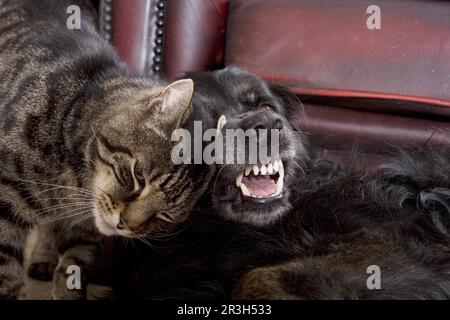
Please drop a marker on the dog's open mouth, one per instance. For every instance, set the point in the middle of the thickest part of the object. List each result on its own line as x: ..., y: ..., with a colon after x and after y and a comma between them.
x: 262, y: 181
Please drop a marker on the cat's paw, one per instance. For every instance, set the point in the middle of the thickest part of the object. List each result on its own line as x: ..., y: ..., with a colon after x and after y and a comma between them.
x: 64, y: 294
x: 62, y: 291
x: 67, y: 287
x: 42, y: 271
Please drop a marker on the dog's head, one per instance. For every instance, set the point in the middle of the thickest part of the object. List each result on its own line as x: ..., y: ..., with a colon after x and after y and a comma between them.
x: 254, y: 193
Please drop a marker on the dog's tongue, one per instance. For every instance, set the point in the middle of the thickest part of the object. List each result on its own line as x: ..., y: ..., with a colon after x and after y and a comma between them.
x: 259, y: 186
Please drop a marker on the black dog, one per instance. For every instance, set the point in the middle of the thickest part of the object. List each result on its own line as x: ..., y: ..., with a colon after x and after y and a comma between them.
x: 317, y: 237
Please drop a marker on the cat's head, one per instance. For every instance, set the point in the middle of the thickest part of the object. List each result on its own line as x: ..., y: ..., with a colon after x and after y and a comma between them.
x: 257, y: 194
x: 138, y: 190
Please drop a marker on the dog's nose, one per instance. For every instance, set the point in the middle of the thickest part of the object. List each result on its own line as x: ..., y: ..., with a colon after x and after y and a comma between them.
x: 263, y: 120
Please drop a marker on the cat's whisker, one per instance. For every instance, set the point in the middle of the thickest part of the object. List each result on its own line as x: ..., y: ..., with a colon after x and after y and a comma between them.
x: 76, y: 189
x: 165, y: 237
x: 78, y: 221
x: 103, y: 191
x: 57, y: 186
x: 57, y: 219
x: 74, y: 206
x: 67, y: 214
x: 77, y: 192
x: 69, y: 199
x: 73, y: 195
x: 89, y: 214
x: 145, y: 242
x: 41, y: 192
x: 65, y: 217
x: 63, y: 206
x: 35, y: 195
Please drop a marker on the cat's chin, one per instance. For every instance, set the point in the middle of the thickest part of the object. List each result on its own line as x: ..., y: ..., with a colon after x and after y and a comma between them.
x: 104, y: 227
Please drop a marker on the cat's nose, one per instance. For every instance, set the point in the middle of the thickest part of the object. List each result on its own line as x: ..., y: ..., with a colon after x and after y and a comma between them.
x: 130, y: 221
x: 122, y: 225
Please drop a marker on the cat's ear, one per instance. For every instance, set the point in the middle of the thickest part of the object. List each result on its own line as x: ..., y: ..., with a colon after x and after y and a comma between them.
x: 176, y: 101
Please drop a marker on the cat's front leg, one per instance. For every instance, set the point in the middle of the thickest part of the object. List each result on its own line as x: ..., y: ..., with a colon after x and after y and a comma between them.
x: 72, y: 272
x: 44, y: 257
x: 12, y: 243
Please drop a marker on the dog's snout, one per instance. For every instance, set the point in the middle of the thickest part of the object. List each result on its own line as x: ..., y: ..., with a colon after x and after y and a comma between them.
x: 277, y: 124
x: 264, y: 120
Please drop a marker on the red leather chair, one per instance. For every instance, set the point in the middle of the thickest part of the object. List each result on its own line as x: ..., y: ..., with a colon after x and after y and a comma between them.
x: 359, y: 86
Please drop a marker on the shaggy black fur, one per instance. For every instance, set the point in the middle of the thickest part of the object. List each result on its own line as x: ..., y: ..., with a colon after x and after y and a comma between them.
x: 336, y: 223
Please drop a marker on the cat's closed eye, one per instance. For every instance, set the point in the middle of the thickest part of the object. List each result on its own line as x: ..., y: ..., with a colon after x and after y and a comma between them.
x: 139, y: 174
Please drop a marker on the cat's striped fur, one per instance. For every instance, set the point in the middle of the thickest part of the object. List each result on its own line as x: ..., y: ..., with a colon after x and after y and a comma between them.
x: 84, y: 143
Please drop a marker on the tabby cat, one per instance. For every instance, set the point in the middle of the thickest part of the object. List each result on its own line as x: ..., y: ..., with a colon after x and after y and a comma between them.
x: 84, y: 143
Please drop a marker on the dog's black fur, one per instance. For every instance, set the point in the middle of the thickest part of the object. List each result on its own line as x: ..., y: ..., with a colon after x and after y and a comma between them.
x: 331, y: 224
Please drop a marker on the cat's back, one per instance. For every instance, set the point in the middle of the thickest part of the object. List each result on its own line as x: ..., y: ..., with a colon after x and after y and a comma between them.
x: 35, y: 33
x: 44, y: 65
x: 37, y: 45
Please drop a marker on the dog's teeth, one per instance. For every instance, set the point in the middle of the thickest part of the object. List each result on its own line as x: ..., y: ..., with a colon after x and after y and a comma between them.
x: 220, y: 124
x: 275, y: 165
x: 248, y: 170
x: 245, y: 191
x: 280, y: 183
x: 263, y: 170
x: 270, y: 169
x: 239, y: 180
x: 255, y: 170
x: 281, y: 169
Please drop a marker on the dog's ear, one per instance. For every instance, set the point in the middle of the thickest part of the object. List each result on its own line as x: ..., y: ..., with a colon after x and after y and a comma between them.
x: 291, y: 103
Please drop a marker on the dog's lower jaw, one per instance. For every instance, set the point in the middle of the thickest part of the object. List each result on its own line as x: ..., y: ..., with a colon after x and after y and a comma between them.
x: 260, y: 215
x: 260, y: 219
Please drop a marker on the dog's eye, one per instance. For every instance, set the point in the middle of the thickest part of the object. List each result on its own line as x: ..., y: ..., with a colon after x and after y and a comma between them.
x: 268, y: 107
x: 139, y: 174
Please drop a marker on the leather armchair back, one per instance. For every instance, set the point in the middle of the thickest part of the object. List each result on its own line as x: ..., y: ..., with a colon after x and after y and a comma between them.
x: 360, y: 86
